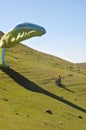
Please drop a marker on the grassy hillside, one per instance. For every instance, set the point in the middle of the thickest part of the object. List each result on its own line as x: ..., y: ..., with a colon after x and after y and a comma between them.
x: 82, y: 64
x: 29, y: 97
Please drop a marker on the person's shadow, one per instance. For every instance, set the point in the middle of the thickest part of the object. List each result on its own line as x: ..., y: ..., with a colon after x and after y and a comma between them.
x: 64, y: 87
x: 31, y: 86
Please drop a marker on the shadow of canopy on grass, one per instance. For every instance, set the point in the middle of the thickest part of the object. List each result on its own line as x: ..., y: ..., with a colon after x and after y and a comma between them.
x: 31, y: 86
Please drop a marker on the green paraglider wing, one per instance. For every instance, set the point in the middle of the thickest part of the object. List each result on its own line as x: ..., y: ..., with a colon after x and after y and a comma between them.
x: 19, y: 33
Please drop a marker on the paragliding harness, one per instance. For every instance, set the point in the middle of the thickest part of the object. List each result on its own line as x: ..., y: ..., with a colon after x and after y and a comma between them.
x: 2, y: 55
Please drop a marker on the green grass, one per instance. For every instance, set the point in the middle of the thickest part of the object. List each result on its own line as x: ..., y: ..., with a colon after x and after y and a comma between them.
x: 28, y: 89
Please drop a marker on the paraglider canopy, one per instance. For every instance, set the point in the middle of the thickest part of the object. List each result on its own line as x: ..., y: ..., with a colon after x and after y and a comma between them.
x: 19, y: 33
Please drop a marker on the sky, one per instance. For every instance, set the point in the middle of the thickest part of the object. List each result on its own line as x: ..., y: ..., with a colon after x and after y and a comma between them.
x: 64, y: 21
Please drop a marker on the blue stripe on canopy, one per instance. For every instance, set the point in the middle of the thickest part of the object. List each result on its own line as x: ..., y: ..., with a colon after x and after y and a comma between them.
x: 29, y: 26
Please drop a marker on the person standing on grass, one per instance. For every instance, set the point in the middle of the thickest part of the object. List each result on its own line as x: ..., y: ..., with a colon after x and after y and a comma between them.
x: 58, y: 81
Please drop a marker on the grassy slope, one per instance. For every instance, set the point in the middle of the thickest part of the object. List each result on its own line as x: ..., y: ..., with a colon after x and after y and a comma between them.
x: 28, y: 88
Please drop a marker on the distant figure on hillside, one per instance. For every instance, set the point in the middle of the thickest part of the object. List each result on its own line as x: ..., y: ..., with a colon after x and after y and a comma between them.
x: 58, y: 81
